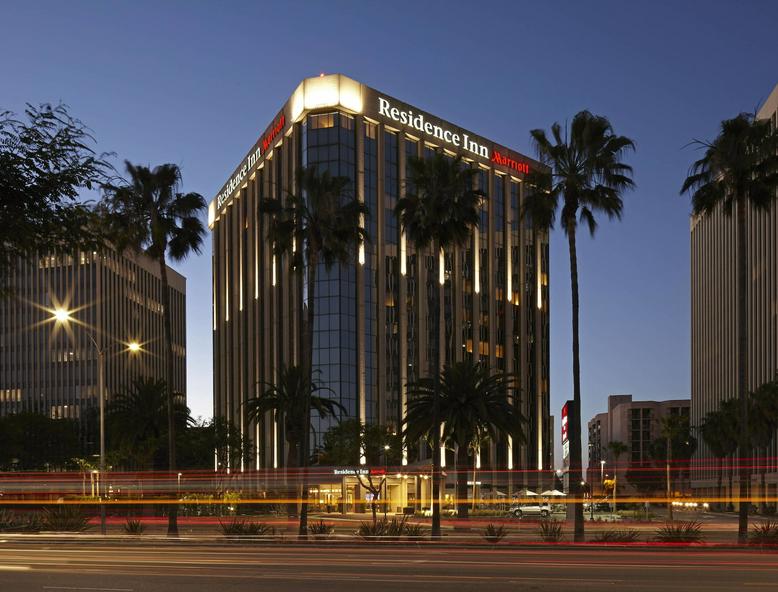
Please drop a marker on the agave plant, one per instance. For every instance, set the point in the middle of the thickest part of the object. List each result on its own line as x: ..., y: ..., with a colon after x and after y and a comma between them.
x: 551, y: 530
x: 764, y: 534
x: 65, y: 518
x: 681, y: 531
x: 494, y: 533
x: 629, y: 535
x: 133, y: 526
x: 239, y: 527
x: 320, y: 529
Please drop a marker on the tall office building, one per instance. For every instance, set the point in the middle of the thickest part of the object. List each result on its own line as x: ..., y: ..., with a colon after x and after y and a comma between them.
x: 374, y: 332
x: 103, y: 300
x: 714, y: 316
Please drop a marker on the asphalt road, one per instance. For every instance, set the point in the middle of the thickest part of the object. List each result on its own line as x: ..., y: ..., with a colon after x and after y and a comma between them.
x: 150, y: 567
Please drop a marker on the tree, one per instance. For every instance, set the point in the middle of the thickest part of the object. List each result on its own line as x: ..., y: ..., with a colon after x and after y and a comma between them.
x: 137, y: 418
x: 198, y: 442
x: 35, y: 442
x: 45, y: 162
x: 719, y: 432
x: 587, y: 177
x: 616, y: 449
x: 439, y: 211
x: 347, y: 441
x: 149, y: 214
x: 321, y: 224
x: 738, y: 170
x: 763, y: 421
x: 675, y: 446
x: 472, y: 405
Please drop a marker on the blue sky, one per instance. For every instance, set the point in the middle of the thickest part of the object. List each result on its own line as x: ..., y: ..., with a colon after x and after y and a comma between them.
x: 194, y: 83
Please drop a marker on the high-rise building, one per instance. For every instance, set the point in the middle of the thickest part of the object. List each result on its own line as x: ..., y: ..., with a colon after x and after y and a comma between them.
x: 636, y: 424
x: 714, y: 317
x: 374, y: 331
x: 63, y: 308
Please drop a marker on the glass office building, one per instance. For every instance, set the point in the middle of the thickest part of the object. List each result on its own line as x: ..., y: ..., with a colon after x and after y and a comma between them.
x: 374, y: 332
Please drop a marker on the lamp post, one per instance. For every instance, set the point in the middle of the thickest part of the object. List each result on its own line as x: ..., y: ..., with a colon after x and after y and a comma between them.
x: 386, y: 475
x: 602, y: 477
x: 63, y: 316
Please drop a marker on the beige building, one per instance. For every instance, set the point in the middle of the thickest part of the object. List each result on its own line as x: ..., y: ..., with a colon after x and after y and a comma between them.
x: 374, y: 329
x: 51, y: 367
x: 714, y: 316
x: 634, y: 423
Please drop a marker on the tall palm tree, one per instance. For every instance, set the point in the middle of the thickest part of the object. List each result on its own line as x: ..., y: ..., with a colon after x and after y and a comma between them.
x: 738, y: 170
x: 587, y: 177
x: 324, y: 224
x: 675, y: 443
x: 138, y: 417
x: 151, y: 215
x: 440, y: 210
x: 472, y: 404
x: 616, y: 449
x: 719, y: 432
x: 763, y: 421
x: 287, y: 399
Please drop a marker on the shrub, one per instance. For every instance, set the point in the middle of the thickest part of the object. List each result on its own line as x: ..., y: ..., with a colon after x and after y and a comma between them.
x: 370, y: 531
x: 551, y: 530
x: 617, y: 536
x: 320, y: 529
x: 65, y: 518
x: 494, y: 534
x: 765, y: 533
x: 238, y: 527
x: 682, y: 531
x: 133, y: 526
x: 415, y: 531
x: 395, y: 528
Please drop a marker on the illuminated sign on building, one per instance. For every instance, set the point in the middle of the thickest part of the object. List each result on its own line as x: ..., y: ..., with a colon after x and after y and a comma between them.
x: 418, y: 122
x: 565, y: 442
x: 267, y: 141
x: 517, y: 166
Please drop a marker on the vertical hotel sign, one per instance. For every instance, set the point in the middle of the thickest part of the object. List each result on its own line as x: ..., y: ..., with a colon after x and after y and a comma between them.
x: 565, y: 440
x: 252, y: 160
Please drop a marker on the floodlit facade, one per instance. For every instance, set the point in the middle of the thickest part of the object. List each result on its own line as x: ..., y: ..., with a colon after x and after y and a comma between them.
x: 51, y: 367
x: 714, y: 320
x: 374, y: 331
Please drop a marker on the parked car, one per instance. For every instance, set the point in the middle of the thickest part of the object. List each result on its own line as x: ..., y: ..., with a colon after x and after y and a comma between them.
x: 542, y: 510
x: 599, y: 506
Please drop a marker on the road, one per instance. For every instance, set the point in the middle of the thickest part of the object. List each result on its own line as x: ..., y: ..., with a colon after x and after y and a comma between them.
x: 156, y: 567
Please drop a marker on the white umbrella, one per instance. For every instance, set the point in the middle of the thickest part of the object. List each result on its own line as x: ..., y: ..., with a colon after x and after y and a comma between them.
x: 553, y: 493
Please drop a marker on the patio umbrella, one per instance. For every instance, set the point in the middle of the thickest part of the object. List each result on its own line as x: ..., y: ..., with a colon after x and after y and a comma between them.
x: 553, y: 493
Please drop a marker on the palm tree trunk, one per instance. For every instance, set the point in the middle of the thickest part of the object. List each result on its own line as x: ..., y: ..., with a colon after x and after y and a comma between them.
x: 307, y: 359
x: 172, y: 524
x: 719, y: 484
x: 462, y: 508
x: 576, y: 465
x: 742, y: 330
x: 669, y: 487
x: 730, y: 473
x: 436, y: 413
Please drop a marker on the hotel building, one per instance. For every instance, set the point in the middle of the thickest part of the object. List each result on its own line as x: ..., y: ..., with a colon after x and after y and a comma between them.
x: 714, y: 320
x: 374, y: 332
x: 50, y: 367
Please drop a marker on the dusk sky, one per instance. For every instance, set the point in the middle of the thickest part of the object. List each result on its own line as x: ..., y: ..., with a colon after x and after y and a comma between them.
x: 195, y: 83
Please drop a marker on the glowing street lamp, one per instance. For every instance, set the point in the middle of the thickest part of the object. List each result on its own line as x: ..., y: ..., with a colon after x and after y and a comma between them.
x: 63, y: 316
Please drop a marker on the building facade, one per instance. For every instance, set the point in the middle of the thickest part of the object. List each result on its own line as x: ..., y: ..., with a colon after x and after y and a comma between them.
x: 51, y: 367
x: 636, y: 424
x: 374, y: 332
x: 714, y: 317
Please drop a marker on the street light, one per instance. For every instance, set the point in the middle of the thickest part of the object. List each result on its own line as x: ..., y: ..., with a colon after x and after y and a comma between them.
x: 602, y: 471
x: 61, y: 317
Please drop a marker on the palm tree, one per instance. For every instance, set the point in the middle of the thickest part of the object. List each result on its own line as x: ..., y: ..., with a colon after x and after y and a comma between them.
x: 138, y: 418
x: 472, y: 404
x: 587, y: 177
x: 718, y: 431
x: 287, y: 399
x: 739, y: 170
x: 321, y: 224
x: 616, y: 449
x: 763, y: 421
x: 439, y: 210
x: 149, y: 214
x: 675, y: 442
